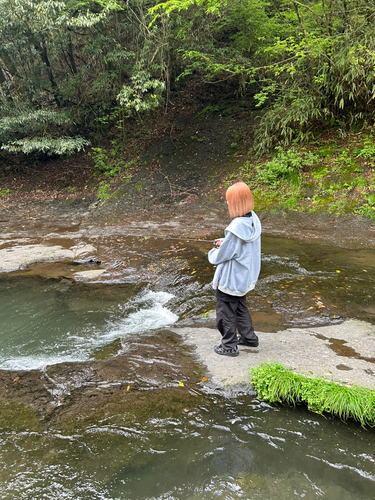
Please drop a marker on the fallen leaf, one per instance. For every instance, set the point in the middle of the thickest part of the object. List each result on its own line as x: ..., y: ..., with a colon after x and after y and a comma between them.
x: 16, y: 379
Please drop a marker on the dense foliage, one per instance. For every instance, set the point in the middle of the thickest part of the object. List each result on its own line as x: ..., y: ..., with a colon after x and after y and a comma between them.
x: 69, y: 69
x: 62, y: 66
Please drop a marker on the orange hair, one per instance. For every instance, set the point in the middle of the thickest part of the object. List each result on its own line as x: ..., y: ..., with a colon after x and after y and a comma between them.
x: 240, y: 200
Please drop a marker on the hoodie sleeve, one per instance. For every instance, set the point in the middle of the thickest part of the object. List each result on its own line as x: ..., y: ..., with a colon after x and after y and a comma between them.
x: 226, y: 251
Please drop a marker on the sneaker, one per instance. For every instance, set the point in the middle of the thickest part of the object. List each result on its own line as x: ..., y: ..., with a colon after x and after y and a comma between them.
x: 242, y: 341
x: 219, y: 349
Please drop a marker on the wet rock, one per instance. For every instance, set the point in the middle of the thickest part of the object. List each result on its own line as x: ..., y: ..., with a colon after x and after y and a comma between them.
x: 308, y: 351
x: 95, y: 273
x: 19, y: 256
x: 144, y: 365
x: 82, y: 249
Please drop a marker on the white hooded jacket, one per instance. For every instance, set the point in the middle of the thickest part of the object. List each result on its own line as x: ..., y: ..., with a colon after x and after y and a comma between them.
x: 238, y: 257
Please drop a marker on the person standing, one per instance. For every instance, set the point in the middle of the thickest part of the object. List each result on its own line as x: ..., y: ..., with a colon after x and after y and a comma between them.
x: 237, y: 257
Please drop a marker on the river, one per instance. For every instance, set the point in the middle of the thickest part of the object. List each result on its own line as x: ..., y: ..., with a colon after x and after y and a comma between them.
x: 182, y: 440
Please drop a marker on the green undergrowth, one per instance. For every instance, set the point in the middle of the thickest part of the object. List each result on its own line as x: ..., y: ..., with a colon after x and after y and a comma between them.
x: 111, y: 166
x: 332, y: 175
x: 277, y: 384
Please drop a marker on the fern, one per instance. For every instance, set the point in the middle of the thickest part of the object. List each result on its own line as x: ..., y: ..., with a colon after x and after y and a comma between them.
x: 143, y: 95
x: 31, y: 121
x: 47, y: 145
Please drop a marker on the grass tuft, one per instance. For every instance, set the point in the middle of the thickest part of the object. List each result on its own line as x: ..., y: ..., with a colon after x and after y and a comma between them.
x: 277, y: 384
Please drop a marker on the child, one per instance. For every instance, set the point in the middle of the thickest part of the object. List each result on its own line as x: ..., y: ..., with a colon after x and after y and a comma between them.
x: 238, y: 265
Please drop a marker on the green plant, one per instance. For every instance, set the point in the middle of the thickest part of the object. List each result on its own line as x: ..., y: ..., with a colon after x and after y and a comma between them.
x: 129, y: 164
x: 195, y: 138
x: 43, y: 132
x: 368, y: 208
x: 208, y: 109
x: 103, y: 191
x: 138, y: 186
x: 143, y: 95
x: 99, y: 160
x: 345, y: 162
x: 102, y: 165
x: 277, y: 384
x: 5, y: 192
x: 289, y: 202
x: 368, y: 149
x: 285, y: 165
x: 366, y: 211
x: 361, y: 182
x: 319, y: 172
x: 47, y: 144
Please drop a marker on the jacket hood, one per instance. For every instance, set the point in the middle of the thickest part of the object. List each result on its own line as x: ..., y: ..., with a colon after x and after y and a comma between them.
x: 246, y: 228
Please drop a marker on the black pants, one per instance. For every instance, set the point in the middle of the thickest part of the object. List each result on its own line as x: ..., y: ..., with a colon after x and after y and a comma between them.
x: 232, y: 315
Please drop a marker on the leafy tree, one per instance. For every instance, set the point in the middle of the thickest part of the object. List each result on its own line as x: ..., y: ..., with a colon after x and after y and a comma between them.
x: 322, y: 74
x: 312, y: 61
x: 69, y: 68
x: 62, y: 65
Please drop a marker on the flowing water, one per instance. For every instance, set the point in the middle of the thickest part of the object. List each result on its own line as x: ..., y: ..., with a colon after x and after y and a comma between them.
x: 213, y: 449
x: 187, y: 444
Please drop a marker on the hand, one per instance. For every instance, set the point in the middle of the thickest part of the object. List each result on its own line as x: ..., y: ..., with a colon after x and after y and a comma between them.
x: 218, y: 242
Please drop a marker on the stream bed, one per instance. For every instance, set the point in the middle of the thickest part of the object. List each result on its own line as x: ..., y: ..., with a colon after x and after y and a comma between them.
x: 180, y: 441
x: 199, y: 446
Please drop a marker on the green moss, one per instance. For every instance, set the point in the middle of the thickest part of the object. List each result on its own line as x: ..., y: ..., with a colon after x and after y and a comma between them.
x: 326, y: 152
x: 320, y: 171
x: 129, y: 407
x: 277, y: 384
x: 108, y: 351
x: 18, y: 417
x: 208, y: 109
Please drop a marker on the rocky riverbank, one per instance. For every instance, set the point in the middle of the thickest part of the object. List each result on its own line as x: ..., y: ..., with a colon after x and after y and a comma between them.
x: 83, y: 241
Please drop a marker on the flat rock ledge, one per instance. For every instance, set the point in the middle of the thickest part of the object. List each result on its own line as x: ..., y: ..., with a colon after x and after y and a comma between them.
x: 342, y: 353
x: 19, y: 256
